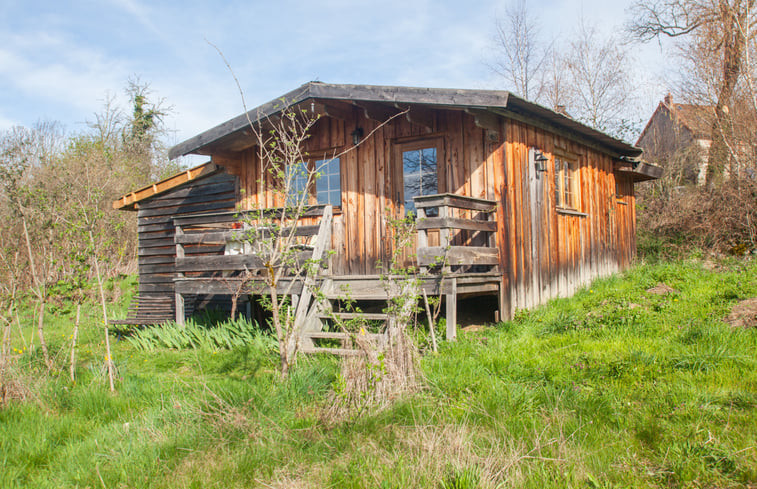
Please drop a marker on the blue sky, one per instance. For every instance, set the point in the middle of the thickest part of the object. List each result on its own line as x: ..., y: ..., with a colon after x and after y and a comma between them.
x: 59, y: 60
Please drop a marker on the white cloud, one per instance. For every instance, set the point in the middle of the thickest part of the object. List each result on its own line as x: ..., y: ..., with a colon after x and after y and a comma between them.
x: 44, y: 70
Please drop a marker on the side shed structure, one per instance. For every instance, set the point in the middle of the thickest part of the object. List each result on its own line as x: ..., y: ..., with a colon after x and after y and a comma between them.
x: 525, y: 203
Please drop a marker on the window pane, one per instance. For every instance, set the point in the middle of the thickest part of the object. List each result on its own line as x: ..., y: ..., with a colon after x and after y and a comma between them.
x: 428, y: 163
x: 334, y: 181
x: 429, y: 184
x: 420, y: 176
x: 411, y: 162
x: 297, y: 177
x: 328, y: 183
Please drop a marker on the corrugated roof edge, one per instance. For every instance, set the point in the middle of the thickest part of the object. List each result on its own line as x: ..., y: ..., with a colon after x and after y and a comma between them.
x: 482, y: 99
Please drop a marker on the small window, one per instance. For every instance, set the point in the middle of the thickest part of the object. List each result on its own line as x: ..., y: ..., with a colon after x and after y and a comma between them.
x: 566, y: 183
x: 328, y: 185
x: 419, y: 170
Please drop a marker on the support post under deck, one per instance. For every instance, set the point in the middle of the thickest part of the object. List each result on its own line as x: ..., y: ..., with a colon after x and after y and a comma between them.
x: 451, y: 306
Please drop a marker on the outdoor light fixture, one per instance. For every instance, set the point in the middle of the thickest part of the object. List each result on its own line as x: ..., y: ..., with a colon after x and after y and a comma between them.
x: 357, y: 135
x: 540, y: 161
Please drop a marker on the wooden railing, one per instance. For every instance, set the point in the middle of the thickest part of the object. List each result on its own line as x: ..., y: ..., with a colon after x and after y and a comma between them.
x: 467, y: 228
x: 214, y: 232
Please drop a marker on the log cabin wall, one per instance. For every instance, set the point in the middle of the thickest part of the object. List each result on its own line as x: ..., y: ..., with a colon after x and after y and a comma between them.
x: 157, y: 251
x: 371, y: 175
x: 552, y: 252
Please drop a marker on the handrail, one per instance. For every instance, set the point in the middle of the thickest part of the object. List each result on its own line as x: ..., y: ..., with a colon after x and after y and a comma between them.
x: 448, y: 225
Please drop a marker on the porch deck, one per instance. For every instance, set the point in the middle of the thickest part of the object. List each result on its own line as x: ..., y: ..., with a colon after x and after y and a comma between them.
x: 456, y: 255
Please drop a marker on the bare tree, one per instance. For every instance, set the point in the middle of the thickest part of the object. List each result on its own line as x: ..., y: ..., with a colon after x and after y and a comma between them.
x: 520, y: 52
x: 600, y: 90
x: 720, y: 27
x: 583, y: 74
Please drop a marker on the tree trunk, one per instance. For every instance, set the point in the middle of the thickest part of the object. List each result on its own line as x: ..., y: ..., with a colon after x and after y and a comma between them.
x: 108, y: 356
x: 722, y: 128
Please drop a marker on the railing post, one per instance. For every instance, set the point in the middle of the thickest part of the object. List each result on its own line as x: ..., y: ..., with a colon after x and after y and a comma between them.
x: 422, y: 234
x: 444, y: 235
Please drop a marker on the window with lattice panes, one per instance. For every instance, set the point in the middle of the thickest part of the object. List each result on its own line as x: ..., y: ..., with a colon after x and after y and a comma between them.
x: 567, y: 191
x: 325, y: 183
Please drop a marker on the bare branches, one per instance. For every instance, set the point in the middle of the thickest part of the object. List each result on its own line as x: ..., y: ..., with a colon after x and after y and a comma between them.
x: 520, y: 53
x: 667, y: 18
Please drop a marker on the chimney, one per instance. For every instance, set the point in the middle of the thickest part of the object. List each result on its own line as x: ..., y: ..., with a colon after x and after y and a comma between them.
x: 669, y: 100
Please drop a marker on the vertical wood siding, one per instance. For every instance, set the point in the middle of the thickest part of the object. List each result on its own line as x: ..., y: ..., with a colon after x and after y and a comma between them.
x: 552, y: 254
x: 543, y: 253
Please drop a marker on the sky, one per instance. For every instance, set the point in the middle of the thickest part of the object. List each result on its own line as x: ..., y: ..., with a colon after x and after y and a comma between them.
x: 61, y: 60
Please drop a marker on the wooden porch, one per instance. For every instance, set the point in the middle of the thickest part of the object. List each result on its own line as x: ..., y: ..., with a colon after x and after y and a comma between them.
x: 456, y: 255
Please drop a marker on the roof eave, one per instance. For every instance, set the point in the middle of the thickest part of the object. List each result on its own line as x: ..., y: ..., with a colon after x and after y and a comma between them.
x: 640, y: 171
x: 129, y: 202
x: 454, y: 98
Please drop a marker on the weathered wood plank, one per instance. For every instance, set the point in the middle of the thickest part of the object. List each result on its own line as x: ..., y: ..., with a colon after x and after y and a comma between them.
x: 190, y: 195
x: 458, y: 255
x: 458, y: 201
x: 456, y: 223
x: 210, y: 286
x: 210, y: 205
x: 214, y: 263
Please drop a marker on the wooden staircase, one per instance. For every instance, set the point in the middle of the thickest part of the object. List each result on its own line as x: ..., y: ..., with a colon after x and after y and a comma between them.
x: 327, y: 330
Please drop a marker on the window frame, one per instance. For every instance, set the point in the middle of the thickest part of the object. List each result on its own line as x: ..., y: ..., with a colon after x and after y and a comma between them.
x: 567, y: 196
x: 311, y: 162
x: 418, y: 144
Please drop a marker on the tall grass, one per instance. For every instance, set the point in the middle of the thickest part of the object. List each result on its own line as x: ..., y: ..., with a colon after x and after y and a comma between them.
x: 615, y: 387
x: 229, y: 334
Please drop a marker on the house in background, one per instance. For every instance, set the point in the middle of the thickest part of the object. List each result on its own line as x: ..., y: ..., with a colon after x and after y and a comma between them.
x: 524, y: 204
x: 679, y: 136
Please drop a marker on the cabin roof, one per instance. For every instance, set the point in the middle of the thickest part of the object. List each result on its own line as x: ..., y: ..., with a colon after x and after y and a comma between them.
x: 495, y: 101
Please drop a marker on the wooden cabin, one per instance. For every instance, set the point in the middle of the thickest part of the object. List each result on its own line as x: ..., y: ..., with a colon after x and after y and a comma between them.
x: 524, y: 203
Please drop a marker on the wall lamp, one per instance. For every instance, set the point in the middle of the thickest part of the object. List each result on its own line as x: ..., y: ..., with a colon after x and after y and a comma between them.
x: 357, y: 135
x: 540, y: 161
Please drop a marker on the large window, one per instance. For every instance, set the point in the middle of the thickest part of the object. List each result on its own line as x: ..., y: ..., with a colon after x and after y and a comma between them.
x: 566, y: 183
x: 326, y: 181
x: 419, y: 173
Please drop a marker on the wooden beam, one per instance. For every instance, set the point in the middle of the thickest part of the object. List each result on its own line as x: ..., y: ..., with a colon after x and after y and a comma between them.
x: 457, y: 201
x: 333, y: 110
x: 455, y: 223
x: 485, y: 119
x: 640, y: 171
x: 458, y: 255
x: 377, y: 111
x: 420, y: 116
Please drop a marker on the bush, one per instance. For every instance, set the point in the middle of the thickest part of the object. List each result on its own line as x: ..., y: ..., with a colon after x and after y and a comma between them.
x: 723, y: 219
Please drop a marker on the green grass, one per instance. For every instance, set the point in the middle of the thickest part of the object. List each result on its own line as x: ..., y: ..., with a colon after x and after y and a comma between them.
x: 614, y: 387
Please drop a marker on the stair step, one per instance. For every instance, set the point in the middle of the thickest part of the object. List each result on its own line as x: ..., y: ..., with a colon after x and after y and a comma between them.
x: 334, y: 351
x: 368, y: 316
x: 340, y: 336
